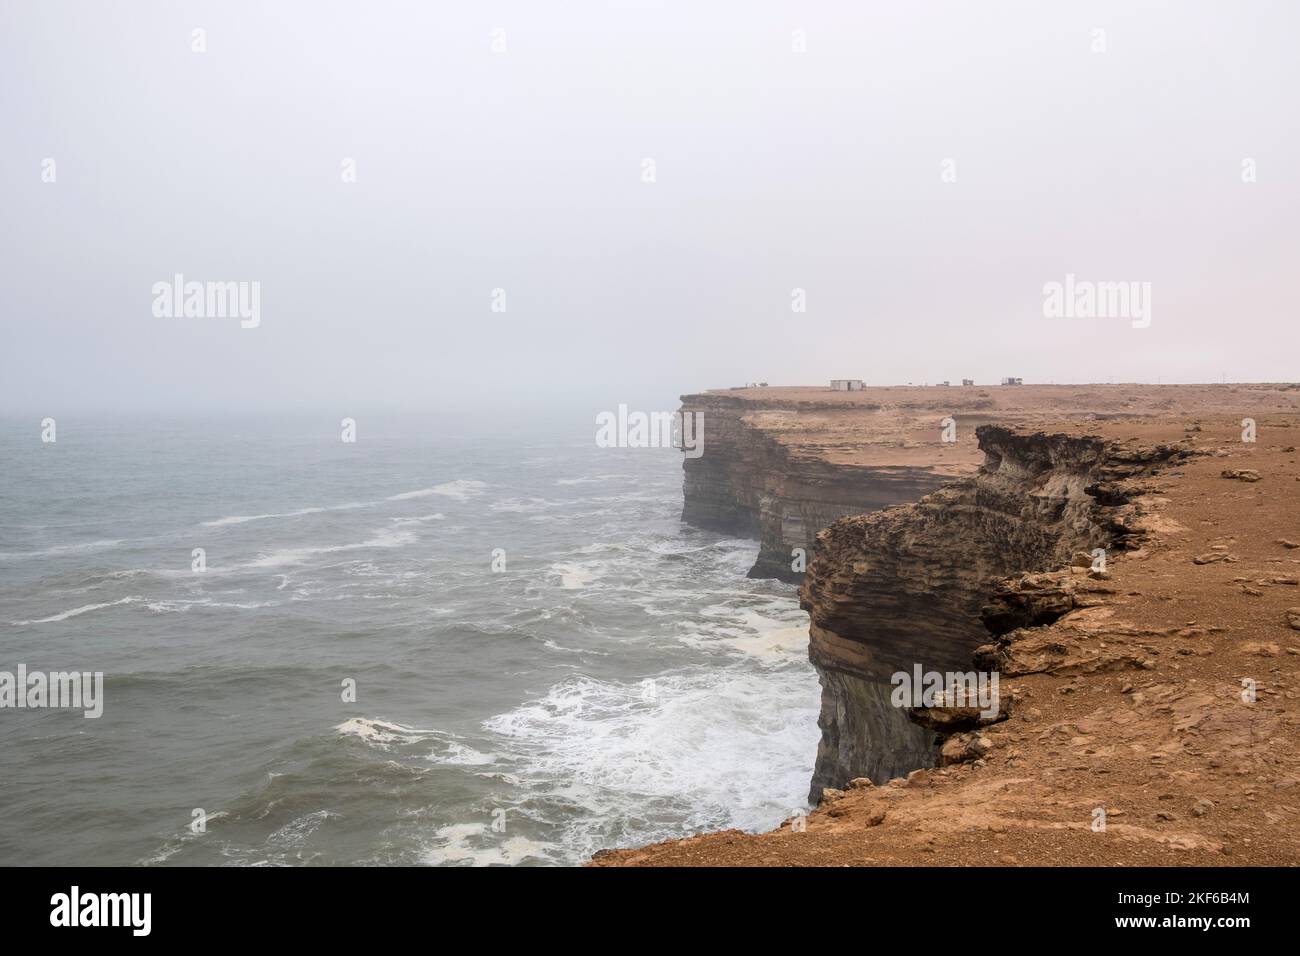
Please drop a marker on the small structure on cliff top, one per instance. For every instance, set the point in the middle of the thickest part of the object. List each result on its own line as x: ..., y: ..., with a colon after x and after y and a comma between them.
x: 1013, y: 381
x: 968, y: 381
x: 847, y: 384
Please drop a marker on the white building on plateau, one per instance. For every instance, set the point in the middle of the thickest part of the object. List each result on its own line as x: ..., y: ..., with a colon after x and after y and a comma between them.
x: 847, y: 384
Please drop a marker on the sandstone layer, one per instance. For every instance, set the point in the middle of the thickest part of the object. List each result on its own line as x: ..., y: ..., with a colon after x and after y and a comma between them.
x: 782, y: 470
x: 780, y: 464
x: 904, y: 588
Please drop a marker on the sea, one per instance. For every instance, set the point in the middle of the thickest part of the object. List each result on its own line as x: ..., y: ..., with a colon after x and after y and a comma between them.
x: 440, y: 643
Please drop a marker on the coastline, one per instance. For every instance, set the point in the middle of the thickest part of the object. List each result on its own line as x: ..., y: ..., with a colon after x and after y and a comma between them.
x: 1102, y: 671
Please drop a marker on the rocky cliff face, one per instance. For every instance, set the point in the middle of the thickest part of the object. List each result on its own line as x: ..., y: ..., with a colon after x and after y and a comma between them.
x: 750, y: 482
x: 1124, y: 686
x: 908, y: 585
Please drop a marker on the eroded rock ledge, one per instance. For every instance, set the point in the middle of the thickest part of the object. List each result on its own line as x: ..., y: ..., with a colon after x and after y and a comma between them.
x: 909, y: 585
x: 781, y: 470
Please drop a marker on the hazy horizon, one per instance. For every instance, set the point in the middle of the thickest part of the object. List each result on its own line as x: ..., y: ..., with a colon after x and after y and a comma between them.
x: 920, y: 173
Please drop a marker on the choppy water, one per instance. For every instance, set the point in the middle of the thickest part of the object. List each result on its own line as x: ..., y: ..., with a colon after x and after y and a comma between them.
x: 621, y: 681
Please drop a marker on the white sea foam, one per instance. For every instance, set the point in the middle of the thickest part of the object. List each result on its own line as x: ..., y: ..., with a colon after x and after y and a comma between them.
x: 460, y: 755
x: 461, y: 489
x: 82, y: 548
x: 523, y: 505
x: 242, y: 519
x: 382, y: 732
x: 695, y: 741
x: 76, y: 612
x: 474, y: 844
x: 589, y: 479
x: 384, y: 538
x: 181, y: 606
x: 416, y: 520
x: 387, y: 735
x: 780, y: 644
x: 294, y: 833
x: 574, y: 575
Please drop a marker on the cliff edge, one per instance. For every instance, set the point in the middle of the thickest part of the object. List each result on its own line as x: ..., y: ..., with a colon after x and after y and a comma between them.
x: 1144, y: 712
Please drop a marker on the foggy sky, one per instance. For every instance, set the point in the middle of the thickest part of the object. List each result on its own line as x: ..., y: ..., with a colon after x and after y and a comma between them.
x: 522, y: 170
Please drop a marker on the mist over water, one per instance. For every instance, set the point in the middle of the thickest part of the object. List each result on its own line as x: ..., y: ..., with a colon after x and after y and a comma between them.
x: 621, y: 681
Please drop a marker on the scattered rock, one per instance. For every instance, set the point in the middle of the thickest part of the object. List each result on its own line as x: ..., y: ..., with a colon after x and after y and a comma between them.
x: 830, y: 794
x: 876, y: 815
x: 1261, y: 648
x: 1213, y: 557
x: 963, y: 748
x: 1202, y: 807
x: 861, y: 783
x: 1241, y: 474
x: 1287, y: 543
x: 1293, y: 617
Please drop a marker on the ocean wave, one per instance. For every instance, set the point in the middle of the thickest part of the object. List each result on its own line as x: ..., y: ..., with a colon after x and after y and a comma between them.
x: 461, y: 488
x: 573, y: 575
x: 590, y: 479
x: 77, y: 612
x: 82, y: 548
x: 416, y: 520
x: 181, y: 606
x: 386, y: 735
x: 377, y: 731
x: 475, y: 844
x: 296, y: 832
x: 243, y: 519
x: 462, y: 756
x: 385, y: 538
x: 694, y: 740
x: 779, y: 644
x: 523, y: 505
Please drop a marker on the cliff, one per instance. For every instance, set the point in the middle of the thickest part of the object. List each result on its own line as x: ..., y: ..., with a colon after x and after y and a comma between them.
x: 782, y: 469
x: 889, y: 591
x: 1145, y: 712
